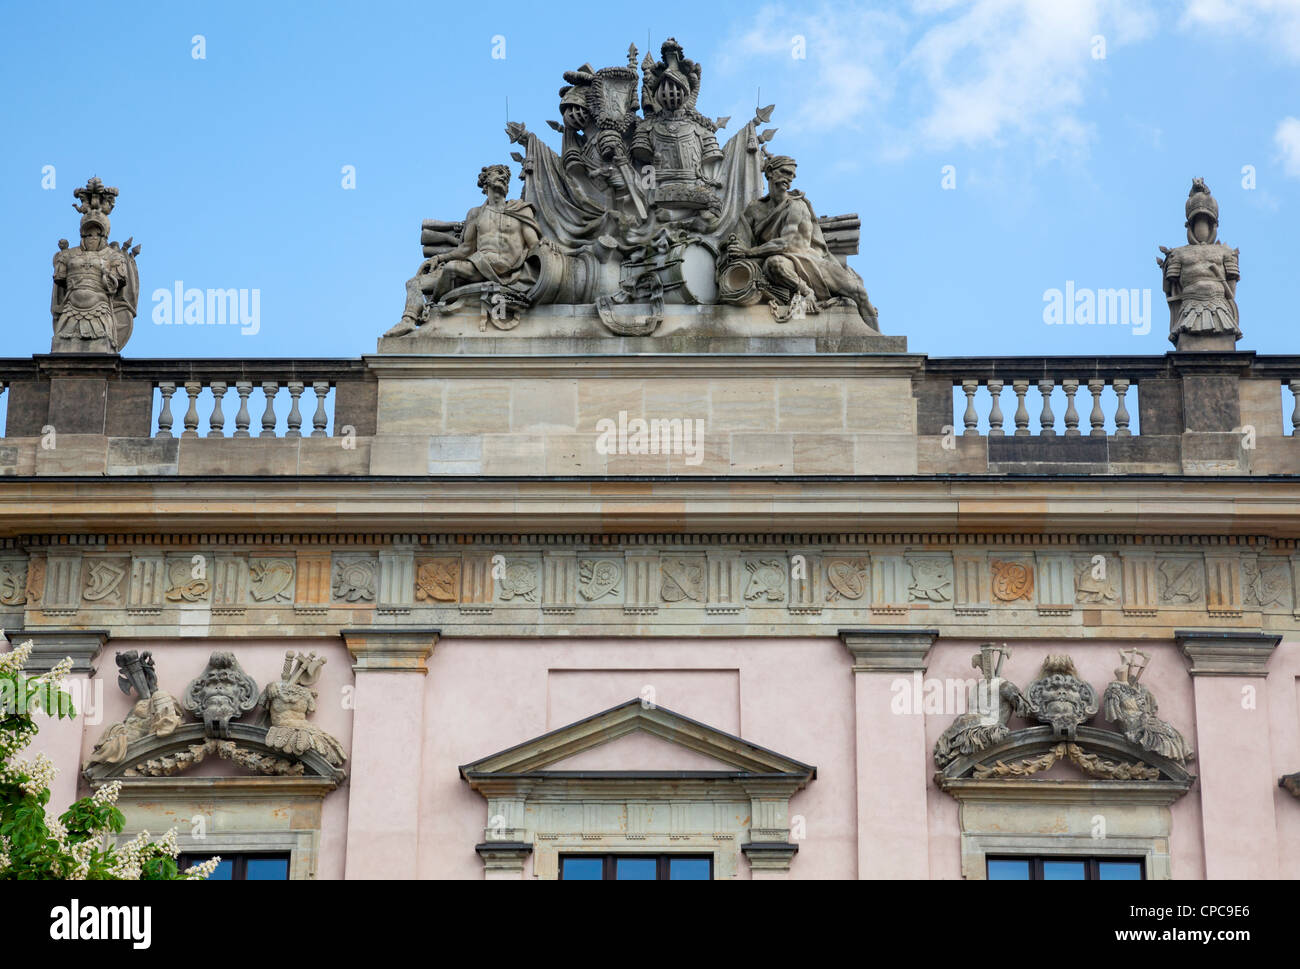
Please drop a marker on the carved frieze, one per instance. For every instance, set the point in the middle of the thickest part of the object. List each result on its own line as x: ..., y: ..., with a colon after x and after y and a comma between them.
x: 767, y: 581
x: 1095, y: 580
x: 518, y: 579
x: 355, y: 579
x: 931, y: 579
x: 1182, y: 581
x: 682, y: 579
x: 847, y: 578
x: 270, y: 580
x: 599, y: 579
x: 1012, y: 580
x: 1265, y: 582
x: 13, y: 582
x: 437, y: 580
x: 187, y: 579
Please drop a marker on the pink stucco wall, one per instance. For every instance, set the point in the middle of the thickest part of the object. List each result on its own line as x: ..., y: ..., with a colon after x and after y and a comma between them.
x: 796, y: 696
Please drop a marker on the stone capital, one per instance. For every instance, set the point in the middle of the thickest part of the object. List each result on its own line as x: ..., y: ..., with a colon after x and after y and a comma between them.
x: 888, y: 650
x: 52, y: 645
x: 770, y: 855
x: 504, y: 856
x: 1227, y: 652
x: 390, y: 650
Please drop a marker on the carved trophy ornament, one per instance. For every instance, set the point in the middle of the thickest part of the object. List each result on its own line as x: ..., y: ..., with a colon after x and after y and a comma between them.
x: 96, y: 284
x: 154, y: 714
x: 641, y: 207
x: 1063, y: 701
x: 1200, y: 280
x: 222, y: 692
x: 1132, y: 706
x: 989, y: 706
x: 218, y: 696
x: 289, y: 701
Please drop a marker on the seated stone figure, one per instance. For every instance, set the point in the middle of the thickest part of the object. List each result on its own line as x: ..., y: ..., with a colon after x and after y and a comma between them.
x: 781, y: 231
x: 498, y: 236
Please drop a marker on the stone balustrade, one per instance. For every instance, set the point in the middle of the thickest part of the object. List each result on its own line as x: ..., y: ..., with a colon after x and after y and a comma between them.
x: 474, y: 415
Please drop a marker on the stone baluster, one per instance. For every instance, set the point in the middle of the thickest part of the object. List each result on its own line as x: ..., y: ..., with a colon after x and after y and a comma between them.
x: 1021, y: 387
x: 1295, y: 406
x: 166, y: 388
x: 242, y: 419
x: 321, y: 389
x: 295, y: 418
x: 995, y: 412
x: 1071, y: 415
x: 217, y: 419
x: 269, y: 389
x: 193, y: 388
x: 970, y: 418
x: 1097, y: 418
x: 1046, y: 420
x: 1121, y: 411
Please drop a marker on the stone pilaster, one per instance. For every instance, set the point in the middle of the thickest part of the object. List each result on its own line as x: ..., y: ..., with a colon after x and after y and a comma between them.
x: 1233, y: 754
x: 893, y: 841
x: 387, y: 745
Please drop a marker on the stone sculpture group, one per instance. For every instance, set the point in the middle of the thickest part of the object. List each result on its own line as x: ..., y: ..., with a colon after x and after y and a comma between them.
x: 637, y: 208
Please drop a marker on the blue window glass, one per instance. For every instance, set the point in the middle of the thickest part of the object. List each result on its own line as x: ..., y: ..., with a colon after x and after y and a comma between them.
x: 583, y: 869
x: 266, y: 869
x: 688, y: 869
x: 1009, y: 869
x: 1065, y: 871
x: 637, y: 869
x: 1115, y: 871
x: 225, y: 871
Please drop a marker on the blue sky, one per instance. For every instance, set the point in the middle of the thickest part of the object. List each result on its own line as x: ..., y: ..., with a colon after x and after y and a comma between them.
x: 1068, y: 166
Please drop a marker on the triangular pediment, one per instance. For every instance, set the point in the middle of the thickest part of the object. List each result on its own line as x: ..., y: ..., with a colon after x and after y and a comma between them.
x: 656, y: 735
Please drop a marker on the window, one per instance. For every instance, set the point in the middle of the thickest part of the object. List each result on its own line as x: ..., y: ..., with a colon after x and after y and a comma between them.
x: 241, y: 867
x: 1065, y: 869
x: 636, y: 867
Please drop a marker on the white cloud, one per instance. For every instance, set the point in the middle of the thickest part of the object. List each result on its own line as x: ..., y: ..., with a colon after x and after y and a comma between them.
x: 1287, y: 139
x: 1273, y: 21
x: 971, y: 71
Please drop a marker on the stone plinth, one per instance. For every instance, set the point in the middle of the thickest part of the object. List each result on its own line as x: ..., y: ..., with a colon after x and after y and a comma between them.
x: 685, y: 329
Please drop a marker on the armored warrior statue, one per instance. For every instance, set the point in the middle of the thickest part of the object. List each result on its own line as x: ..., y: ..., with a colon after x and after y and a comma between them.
x: 1132, y: 706
x: 497, y: 238
x: 96, y: 285
x: 780, y: 232
x: 1200, y: 280
x: 678, y: 142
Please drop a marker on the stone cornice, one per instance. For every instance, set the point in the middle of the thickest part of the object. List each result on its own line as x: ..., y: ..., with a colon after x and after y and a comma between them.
x: 641, y: 365
x: 189, y: 788
x: 1226, y: 652
x: 1029, y: 506
x: 1086, y: 792
x: 391, y: 650
x: 885, y: 650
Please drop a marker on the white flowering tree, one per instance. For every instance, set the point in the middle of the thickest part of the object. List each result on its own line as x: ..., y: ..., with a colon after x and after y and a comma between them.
x: 79, y: 843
